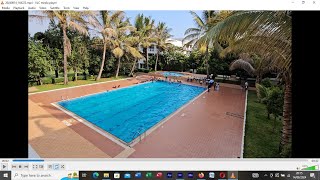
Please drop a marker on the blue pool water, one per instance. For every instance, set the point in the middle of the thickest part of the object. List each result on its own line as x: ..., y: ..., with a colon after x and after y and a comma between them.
x: 126, y: 112
x: 172, y: 74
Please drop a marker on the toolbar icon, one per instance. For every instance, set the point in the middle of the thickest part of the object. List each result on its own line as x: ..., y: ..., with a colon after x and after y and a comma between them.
x: 190, y: 175
x: 211, y: 175
x: 95, y: 175
x: 159, y: 175
x: 276, y: 175
x: 255, y: 175
x: 127, y: 176
x: 116, y: 175
x: 201, y: 175
x: 222, y: 175
x: 312, y: 175
x: 5, y: 175
x: 138, y: 175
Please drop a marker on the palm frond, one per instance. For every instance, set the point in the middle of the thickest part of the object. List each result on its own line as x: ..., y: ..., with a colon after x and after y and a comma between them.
x: 242, y: 64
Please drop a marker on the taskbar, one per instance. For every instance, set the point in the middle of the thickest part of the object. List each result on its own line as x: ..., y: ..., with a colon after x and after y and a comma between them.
x: 200, y: 175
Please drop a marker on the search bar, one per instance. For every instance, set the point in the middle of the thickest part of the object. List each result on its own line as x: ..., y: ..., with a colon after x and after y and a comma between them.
x: 39, y: 175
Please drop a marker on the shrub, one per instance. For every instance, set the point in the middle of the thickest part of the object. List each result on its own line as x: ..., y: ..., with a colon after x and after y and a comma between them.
x: 46, y: 80
x: 70, y: 78
x: 286, y: 151
x: 266, y: 83
x: 57, y: 80
x: 82, y: 77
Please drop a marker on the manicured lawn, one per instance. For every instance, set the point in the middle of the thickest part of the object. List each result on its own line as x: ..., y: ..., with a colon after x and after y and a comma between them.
x: 261, y: 139
x: 47, y: 87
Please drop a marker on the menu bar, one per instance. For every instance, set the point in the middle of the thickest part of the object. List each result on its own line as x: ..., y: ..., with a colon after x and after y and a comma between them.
x: 159, y: 5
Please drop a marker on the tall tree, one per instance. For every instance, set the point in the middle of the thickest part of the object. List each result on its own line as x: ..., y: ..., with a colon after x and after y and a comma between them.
x: 203, y: 24
x: 104, y: 25
x: 79, y: 59
x: 67, y: 20
x: 162, y: 34
x: 145, y: 29
x: 122, y: 42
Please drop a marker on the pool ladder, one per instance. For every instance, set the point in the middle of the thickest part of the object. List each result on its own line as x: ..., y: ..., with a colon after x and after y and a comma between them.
x: 138, y: 132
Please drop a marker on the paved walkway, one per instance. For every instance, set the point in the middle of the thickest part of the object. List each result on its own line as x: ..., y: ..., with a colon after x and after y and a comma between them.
x: 209, y: 127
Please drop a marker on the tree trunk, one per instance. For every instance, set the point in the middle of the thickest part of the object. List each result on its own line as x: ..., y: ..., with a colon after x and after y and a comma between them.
x: 147, y: 57
x: 133, y: 67
x: 118, y: 68
x: 287, y: 117
x: 103, y: 59
x: 258, y: 79
x: 207, y: 59
x: 76, y: 74
x: 155, y: 66
x: 56, y: 72
x: 65, y: 63
x: 268, y: 115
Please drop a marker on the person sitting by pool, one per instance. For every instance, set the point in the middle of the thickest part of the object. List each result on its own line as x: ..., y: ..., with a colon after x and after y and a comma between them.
x: 114, y: 86
x: 118, y: 85
x: 200, y: 82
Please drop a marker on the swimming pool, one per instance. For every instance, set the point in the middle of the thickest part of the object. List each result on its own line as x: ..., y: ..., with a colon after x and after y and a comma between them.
x: 172, y: 74
x: 128, y: 112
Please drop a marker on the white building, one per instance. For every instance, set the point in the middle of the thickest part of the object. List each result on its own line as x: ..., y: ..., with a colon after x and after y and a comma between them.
x: 152, y: 50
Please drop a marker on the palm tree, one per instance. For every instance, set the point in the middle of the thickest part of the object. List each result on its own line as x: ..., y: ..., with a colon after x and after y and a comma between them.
x: 255, y: 65
x: 192, y: 35
x: 145, y: 29
x: 162, y: 33
x: 122, y: 42
x: 103, y: 24
x: 268, y: 34
x: 67, y: 20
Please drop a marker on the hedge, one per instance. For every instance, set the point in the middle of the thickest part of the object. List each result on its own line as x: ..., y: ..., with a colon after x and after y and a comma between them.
x: 46, y: 80
x: 57, y: 80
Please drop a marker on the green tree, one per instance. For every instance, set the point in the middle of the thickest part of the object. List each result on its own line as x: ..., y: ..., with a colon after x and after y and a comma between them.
x: 67, y: 20
x: 122, y: 42
x: 145, y: 31
x: 79, y: 59
x: 208, y: 20
x: 104, y: 25
x: 162, y: 33
x: 38, y: 61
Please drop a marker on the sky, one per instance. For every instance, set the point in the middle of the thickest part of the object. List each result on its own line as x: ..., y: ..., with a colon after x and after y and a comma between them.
x: 178, y: 21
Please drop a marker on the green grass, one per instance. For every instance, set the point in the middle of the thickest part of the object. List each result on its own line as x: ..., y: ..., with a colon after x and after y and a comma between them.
x: 262, y: 139
x: 47, y: 87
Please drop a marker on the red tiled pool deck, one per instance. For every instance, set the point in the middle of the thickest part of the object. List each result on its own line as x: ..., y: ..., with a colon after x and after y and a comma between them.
x: 211, y: 126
